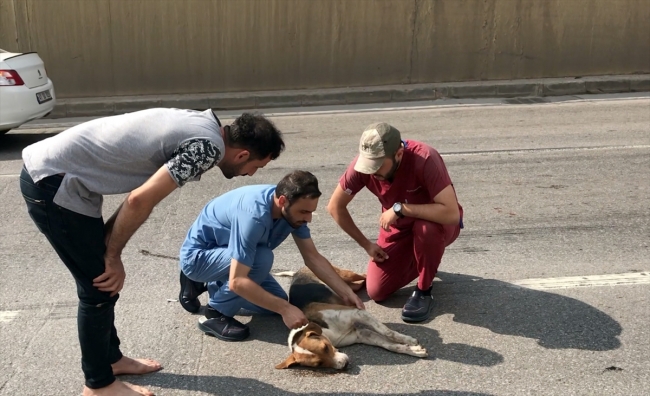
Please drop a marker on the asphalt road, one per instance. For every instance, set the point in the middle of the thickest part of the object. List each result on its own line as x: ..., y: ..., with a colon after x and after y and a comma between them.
x: 550, y: 190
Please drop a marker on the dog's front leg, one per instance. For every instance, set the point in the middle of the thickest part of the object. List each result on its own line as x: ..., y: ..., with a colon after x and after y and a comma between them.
x: 369, y: 337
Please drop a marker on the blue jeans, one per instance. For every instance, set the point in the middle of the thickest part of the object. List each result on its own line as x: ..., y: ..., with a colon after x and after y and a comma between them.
x: 213, y: 267
x: 79, y: 242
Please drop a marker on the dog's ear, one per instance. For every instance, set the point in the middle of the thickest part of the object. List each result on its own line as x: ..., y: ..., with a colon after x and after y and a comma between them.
x: 296, y: 335
x: 290, y: 361
x: 312, y: 328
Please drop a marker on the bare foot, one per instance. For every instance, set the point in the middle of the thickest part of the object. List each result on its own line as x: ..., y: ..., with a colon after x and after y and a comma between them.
x: 126, y: 365
x: 118, y: 388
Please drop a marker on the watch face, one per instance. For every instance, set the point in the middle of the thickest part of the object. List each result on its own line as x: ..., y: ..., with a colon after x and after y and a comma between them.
x: 397, y: 208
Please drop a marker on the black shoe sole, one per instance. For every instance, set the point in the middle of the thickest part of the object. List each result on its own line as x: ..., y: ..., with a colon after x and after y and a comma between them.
x: 417, y: 319
x: 213, y: 333
x: 186, y: 305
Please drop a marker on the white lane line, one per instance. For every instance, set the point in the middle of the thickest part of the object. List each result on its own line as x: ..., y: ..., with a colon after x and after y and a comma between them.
x: 494, y: 102
x: 16, y: 175
x: 631, y: 278
x: 443, y: 104
x: 544, y: 150
x: 435, y: 104
x: 8, y: 316
x: 567, y: 282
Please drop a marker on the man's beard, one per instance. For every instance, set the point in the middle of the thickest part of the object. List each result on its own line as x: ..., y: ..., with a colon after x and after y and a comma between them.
x: 289, y: 219
x: 229, y: 171
x: 391, y: 173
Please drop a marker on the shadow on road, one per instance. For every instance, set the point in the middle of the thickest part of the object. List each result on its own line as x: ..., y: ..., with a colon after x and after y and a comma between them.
x: 555, y: 321
x: 12, y: 144
x: 227, y: 385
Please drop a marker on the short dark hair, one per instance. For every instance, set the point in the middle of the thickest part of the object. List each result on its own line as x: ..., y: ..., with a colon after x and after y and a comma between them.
x: 257, y: 134
x: 298, y: 184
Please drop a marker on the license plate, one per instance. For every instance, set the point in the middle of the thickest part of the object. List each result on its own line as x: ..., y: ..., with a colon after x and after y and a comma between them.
x: 44, y: 96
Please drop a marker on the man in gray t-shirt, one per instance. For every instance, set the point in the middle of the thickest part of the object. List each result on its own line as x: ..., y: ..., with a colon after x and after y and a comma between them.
x: 147, y: 154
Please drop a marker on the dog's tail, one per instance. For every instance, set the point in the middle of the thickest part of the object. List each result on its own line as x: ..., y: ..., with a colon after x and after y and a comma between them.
x: 285, y: 273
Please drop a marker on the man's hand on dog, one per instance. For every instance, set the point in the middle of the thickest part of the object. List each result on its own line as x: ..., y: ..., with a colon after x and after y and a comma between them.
x: 293, y: 317
x: 353, y: 300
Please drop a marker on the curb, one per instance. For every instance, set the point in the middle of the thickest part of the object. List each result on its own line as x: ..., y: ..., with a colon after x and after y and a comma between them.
x: 105, y: 106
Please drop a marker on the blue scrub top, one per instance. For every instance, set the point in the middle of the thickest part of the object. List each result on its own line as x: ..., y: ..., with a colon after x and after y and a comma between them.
x: 240, y: 220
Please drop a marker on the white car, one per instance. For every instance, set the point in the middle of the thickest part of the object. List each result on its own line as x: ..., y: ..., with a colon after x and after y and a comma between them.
x: 25, y: 91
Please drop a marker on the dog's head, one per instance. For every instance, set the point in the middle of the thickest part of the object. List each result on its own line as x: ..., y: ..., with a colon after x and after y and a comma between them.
x: 309, y: 347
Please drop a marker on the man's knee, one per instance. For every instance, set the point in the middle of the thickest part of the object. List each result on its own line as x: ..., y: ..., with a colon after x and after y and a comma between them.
x: 205, y: 265
x: 377, y: 292
x: 97, y: 302
x: 188, y: 262
x: 280, y: 293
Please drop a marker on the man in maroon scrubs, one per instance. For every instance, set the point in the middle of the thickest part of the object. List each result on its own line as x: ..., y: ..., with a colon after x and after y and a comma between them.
x: 420, y: 214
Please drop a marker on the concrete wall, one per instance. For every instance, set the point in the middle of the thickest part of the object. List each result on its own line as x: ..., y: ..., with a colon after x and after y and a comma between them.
x: 132, y: 47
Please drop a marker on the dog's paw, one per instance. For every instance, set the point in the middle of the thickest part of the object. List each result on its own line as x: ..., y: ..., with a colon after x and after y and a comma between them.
x: 409, y: 340
x: 418, y: 350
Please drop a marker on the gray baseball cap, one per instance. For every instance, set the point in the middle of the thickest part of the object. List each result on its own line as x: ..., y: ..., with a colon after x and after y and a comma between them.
x: 378, y: 142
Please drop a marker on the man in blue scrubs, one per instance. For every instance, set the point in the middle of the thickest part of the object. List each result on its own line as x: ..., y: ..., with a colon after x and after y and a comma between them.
x: 230, y: 247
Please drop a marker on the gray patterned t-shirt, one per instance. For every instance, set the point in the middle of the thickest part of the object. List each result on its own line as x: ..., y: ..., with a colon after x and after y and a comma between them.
x: 115, y: 155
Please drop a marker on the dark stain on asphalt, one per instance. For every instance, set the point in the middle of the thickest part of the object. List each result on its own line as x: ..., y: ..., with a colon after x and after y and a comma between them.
x: 314, y: 373
x: 148, y: 253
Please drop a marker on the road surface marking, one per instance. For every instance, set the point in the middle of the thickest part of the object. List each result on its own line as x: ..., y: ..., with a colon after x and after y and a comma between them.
x: 493, y: 102
x: 569, y: 282
x: 442, y: 104
x: 8, y: 316
x: 544, y: 149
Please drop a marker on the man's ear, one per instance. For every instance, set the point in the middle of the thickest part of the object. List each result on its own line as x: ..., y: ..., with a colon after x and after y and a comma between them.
x: 242, y: 156
x: 282, y: 201
x: 290, y: 361
x: 399, y: 153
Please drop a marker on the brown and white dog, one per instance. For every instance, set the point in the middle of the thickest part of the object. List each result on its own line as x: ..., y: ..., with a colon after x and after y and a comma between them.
x: 333, y: 325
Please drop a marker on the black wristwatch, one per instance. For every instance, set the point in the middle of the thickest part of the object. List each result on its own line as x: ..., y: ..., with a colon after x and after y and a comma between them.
x: 397, y: 208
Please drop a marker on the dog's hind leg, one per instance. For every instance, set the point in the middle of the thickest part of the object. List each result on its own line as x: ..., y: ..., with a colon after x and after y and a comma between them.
x: 369, y: 337
x: 354, y: 280
x: 367, y: 319
x: 349, y: 276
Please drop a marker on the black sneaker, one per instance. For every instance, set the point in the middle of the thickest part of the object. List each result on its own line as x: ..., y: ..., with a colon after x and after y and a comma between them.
x: 223, y: 327
x: 418, y: 307
x: 190, y: 291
